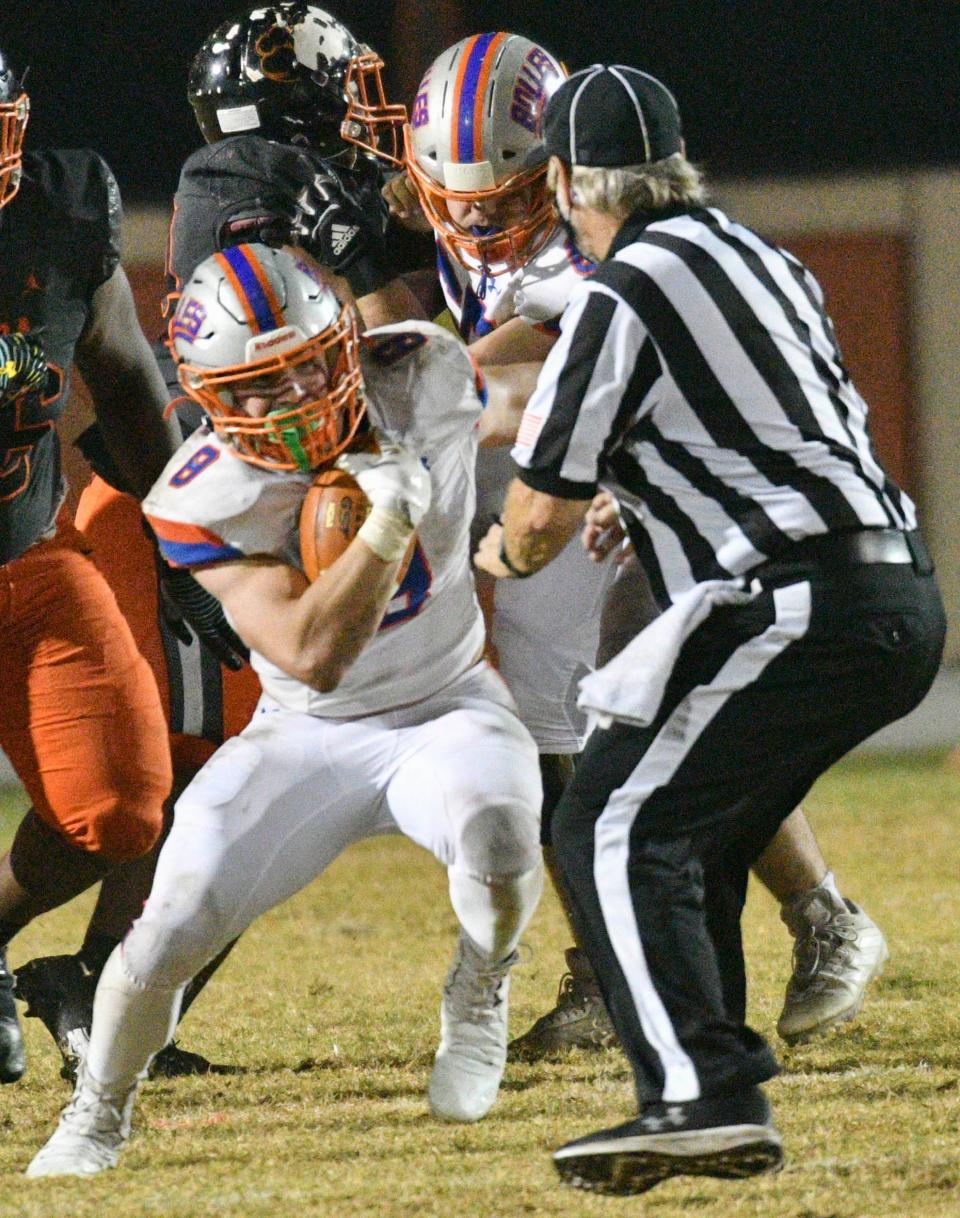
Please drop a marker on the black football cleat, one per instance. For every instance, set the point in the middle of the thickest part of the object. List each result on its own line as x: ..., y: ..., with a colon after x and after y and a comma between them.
x: 729, y: 1137
x: 174, y: 1062
x: 59, y: 990
x: 13, y: 1058
x: 578, y: 1021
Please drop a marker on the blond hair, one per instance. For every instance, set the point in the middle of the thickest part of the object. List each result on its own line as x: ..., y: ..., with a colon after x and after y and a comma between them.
x: 626, y: 188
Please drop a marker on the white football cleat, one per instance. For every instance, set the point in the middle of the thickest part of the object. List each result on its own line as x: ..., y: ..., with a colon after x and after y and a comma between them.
x: 838, y: 952
x: 473, y: 1035
x: 94, y: 1127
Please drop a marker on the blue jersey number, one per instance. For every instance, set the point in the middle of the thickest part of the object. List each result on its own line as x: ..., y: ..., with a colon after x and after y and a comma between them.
x: 412, y: 593
x: 196, y: 465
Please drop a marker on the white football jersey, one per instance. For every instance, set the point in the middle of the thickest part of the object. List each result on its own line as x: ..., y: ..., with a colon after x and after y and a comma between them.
x: 545, y: 630
x: 538, y: 291
x: 209, y: 506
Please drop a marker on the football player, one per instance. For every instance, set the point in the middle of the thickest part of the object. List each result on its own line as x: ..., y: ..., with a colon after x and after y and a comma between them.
x: 297, y: 131
x: 476, y: 172
x: 378, y: 712
x: 81, y: 719
x: 293, y: 113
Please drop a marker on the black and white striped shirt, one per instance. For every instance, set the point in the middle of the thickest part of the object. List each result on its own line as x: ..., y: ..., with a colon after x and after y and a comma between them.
x: 697, y: 377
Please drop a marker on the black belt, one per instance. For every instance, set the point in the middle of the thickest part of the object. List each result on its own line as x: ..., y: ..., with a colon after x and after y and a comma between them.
x: 863, y: 546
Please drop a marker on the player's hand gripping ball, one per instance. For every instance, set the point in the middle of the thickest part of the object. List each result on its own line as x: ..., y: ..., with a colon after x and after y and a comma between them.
x: 333, y: 510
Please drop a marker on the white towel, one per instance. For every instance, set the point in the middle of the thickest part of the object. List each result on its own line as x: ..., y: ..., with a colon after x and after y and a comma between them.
x: 630, y: 687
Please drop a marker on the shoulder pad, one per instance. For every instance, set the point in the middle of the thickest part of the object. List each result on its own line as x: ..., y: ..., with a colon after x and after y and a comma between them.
x: 77, y: 186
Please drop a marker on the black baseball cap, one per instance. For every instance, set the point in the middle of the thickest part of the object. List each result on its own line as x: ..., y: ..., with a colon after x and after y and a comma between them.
x: 609, y: 115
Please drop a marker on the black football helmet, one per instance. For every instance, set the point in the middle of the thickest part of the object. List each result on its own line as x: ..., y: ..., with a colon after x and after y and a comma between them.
x: 14, y: 112
x: 293, y: 73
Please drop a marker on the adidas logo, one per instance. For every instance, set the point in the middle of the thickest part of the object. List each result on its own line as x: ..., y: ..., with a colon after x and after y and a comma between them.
x: 342, y: 235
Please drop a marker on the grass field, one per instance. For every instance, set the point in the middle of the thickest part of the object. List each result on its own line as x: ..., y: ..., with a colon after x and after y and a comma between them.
x: 328, y: 1011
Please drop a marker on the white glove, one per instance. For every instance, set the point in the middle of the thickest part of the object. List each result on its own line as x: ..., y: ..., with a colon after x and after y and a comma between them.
x: 393, y: 479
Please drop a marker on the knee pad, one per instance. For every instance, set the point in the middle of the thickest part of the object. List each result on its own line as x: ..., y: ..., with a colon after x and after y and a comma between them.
x: 500, y: 842
x: 494, y: 911
x: 126, y: 824
x: 164, y: 952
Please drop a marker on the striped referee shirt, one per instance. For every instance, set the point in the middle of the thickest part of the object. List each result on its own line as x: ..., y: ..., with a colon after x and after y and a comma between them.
x: 697, y: 377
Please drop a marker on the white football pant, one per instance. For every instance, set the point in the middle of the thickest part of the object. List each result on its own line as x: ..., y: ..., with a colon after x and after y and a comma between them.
x: 456, y: 773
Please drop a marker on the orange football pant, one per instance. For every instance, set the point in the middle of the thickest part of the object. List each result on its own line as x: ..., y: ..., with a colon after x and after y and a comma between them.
x: 80, y: 714
x: 113, y: 523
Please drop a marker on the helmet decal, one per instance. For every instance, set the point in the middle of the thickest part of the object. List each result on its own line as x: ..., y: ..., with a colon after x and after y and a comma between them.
x: 257, y: 297
x: 420, y: 114
x: 190, y: 317
x: 530, y: 92
x: 277, y: 55
x: 466, y: 113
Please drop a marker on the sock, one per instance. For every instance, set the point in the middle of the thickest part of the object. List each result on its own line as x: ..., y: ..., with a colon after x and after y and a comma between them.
x: 495, y: 913
x: 830, y: 884
x: 7, y: 931
x: 95, y: 951
x: 131, y: 1022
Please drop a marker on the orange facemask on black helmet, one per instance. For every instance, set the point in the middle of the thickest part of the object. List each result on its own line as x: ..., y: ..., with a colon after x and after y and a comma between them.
x: 14, y: 112
x: 294, y: 73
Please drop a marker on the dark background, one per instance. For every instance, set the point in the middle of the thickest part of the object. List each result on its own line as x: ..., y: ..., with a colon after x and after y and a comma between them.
x: 781, y: 87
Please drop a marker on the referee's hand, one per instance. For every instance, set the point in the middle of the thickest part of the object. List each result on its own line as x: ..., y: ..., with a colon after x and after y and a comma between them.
x: 487, y: 557
x: 603, y: 530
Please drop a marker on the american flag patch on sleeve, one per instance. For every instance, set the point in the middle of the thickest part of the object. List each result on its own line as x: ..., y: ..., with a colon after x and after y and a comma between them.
x: 529, y: 430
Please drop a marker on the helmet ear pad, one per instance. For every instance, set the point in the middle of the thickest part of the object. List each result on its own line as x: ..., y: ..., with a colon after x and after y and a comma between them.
x: 305, y: 112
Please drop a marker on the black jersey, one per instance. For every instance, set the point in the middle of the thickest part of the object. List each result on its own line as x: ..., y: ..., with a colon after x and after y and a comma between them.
x: 59, y: 241
x: 248, y: 188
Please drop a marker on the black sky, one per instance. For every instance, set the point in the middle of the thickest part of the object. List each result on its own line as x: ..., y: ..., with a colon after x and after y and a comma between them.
x: 791, y: 86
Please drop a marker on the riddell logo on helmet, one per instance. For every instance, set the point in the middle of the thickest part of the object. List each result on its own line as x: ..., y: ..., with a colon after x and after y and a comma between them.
x: 529, y: 92
x: 287, y: 337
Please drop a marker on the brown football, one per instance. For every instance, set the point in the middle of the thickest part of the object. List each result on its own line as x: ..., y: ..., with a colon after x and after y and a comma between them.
x: 332, y: 512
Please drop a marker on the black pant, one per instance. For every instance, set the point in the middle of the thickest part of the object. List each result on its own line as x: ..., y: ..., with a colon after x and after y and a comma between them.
x: 657, y: 831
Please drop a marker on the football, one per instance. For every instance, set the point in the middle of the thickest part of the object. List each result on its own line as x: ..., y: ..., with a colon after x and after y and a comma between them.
x: 332, y: 512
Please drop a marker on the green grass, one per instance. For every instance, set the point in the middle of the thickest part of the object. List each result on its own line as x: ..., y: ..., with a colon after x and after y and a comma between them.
x: 328, y: 1009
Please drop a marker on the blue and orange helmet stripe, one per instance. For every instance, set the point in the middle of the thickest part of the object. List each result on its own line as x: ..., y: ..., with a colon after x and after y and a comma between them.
x: 476, y: 63
x: 254, y: 291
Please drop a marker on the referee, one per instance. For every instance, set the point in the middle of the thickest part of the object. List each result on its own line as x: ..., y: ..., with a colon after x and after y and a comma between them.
x: 697, y: 378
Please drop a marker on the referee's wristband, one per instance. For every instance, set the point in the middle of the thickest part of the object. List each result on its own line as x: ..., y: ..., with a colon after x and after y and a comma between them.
x: 508, y: 564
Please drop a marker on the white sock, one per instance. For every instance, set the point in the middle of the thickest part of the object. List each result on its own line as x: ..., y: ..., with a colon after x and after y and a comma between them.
x: 830, y: 884
x: 130, y: 1024
x: 494, y: 913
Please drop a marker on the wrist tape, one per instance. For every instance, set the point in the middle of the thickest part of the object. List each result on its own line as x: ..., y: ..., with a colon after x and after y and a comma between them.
x: 387, y: 533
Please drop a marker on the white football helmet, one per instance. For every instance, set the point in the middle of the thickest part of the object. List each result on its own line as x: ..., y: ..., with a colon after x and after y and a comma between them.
x: 252, y: 312
x: 474, y: 134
